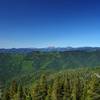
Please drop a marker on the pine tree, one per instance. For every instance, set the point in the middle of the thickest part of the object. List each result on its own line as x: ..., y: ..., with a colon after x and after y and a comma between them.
x: 67, y: 89
x: 13, y: 88
x: 85, y: 89
x: 77, y: 93
x: 57, y: 89
x: 28, y: 97
x: 27, y: 94
x: 1, y: 90
x: 49, y: 91
x: 20, y: 93
x: 36, y: 92
x: 6, y: 95
x: 93, y: 92
x: 43, y: 87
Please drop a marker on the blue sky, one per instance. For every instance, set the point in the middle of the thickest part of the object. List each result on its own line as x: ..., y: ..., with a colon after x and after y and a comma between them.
x: 43, y: 23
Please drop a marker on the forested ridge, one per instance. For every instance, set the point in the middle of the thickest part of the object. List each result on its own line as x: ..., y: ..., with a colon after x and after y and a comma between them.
x: 68, y: 75
x: 79, y: 84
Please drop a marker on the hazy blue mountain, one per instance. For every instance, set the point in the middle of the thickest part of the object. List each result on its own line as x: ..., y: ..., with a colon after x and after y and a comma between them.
x: 48, y: 49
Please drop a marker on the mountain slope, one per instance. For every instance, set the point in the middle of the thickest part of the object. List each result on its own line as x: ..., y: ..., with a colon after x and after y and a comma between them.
x: 19, y: 65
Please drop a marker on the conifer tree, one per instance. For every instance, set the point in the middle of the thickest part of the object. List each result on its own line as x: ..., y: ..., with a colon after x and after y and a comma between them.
x: 6, y: 95
x: 49, y: 91
x: 36, y: 92
x: 1, y: 90
x: 67, y: 89
x: 13, y: 88
x: 20, y: 93
x: 93, y: 92
x: 27, y: 94
x: 85, y: 89
x: 56, y: 92
x: 43, y: 87
x: 77, y: 89
x: 28, y: 97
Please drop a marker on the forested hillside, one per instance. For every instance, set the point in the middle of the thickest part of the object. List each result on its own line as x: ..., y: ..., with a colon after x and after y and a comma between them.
x: 13, y: 65
x: 74, y: 75
x: 77, y: 84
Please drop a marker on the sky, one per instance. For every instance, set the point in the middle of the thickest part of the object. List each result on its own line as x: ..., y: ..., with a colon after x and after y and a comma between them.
x: 45, y: 23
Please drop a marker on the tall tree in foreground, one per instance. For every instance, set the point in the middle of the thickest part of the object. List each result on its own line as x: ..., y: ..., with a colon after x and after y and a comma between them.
x: 27, y: 94
x: 1, y: 90
x: 67, y: 89
x: 20, y: 93
x: 6, y: 95
x: 43, y: 87
x: 77, y: 93
x: 36, y: 92
x: 56, y: 89
x: 93, y: 92
x: 48, y: 97
x: 13, y: 89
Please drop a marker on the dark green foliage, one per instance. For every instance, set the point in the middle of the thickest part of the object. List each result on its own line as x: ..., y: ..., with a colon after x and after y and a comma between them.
x: 40, y: 90
x: 20, y: 93
x: 1, y: 90
x: 13, y: 88
x: 43, y: 87
x: 54, y: 75
x: 15, y: 65
x: 93, y: 91
x: 67, y: 89
x: 36, y: 92
x: 6, y: 95
x: 64, y: 85
x: 56, y: 90
x: 49, y: 91
x: 27, y: 94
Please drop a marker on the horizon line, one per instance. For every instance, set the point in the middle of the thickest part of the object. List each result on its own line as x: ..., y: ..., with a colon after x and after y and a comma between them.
x: 51, y: 47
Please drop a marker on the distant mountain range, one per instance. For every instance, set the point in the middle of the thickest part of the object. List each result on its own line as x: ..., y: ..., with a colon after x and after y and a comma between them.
x: 48, y: 49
